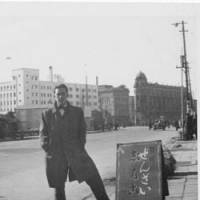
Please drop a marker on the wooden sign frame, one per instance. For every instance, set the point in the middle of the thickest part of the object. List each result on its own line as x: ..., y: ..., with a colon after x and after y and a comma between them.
x: 139, y: 171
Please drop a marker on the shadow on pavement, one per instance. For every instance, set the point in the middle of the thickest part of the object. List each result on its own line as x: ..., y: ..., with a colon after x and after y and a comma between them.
x: 184, y: 174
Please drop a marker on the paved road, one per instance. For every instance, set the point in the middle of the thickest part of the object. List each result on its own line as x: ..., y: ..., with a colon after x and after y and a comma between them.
x: 22, y: 169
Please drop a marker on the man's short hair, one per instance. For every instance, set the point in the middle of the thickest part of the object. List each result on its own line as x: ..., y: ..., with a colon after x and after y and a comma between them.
x: 61, y: 86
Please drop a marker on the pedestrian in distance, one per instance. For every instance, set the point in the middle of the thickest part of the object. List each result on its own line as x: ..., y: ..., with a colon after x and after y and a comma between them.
x: 63, y: 138
x: 176, y: 123
x: 195, y: 125
x: 150, y: 124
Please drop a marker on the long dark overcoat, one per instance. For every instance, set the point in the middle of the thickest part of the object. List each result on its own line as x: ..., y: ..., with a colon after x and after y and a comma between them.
x: 63, y: 139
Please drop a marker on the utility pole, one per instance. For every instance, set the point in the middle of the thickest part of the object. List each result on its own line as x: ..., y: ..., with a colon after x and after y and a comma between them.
x: 86, y: 87
x: 185, y: 67
x: 86, y: 90
x: 182, y: 95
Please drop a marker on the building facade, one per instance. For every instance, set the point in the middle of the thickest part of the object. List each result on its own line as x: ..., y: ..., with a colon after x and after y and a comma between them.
x: 115, y: 100
x: 27, y: 90
x: 154, y: 100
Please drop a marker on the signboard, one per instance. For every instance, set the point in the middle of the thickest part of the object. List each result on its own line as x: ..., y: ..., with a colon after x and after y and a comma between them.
x: 139, y: 171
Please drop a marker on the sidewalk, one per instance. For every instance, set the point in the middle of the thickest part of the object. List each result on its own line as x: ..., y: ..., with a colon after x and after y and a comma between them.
x: 183, y: 185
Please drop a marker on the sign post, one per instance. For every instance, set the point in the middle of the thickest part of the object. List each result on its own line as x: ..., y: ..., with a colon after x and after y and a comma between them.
x: 139, y: 171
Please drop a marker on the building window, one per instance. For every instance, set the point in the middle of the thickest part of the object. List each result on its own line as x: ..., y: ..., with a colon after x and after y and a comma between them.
x: 70, y: 89
x: 77, y: 89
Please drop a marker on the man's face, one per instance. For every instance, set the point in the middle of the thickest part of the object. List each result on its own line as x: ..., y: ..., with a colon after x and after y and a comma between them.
x: 60, y: 95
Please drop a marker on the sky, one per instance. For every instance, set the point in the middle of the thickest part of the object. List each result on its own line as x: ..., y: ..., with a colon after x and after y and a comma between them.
x: 114, y: 41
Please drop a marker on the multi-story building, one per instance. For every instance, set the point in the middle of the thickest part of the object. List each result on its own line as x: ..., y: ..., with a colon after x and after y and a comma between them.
x: 115, y: 100
x: 154, y: 100
x: 26, y: 90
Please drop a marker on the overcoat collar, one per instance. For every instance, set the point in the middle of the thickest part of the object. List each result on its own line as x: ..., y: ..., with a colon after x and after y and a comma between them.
x: 55, y: 107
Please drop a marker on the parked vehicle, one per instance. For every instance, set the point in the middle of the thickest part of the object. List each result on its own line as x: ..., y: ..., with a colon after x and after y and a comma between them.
x: 159, y: 124
x: 9, y: 126
x: 29, y: 120
x: 21, y: 123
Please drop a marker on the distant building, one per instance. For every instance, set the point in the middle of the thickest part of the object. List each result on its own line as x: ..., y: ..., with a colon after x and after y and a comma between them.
x: 132, y: 110
x: 26, y: 90
x: 154, y: 100
x: 115, y: 100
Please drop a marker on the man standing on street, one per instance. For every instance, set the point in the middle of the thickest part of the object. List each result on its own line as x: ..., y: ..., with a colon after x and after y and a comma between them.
x: 63, y: 138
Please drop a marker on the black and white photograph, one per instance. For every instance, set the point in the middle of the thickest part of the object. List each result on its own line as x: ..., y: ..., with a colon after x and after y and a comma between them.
x: 99, y: 100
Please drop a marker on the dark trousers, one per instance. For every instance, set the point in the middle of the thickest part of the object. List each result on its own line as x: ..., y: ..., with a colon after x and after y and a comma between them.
x: 60, y: 193
x: 96, y: 185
